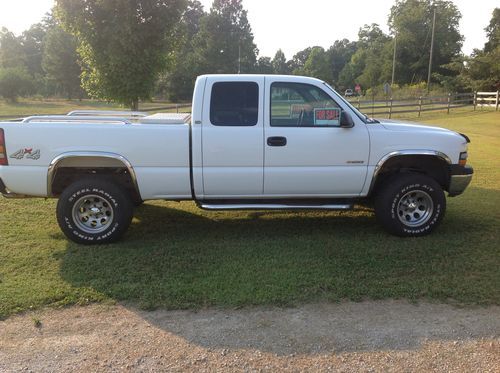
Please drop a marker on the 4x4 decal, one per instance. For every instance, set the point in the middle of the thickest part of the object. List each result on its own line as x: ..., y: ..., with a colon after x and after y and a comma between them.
x: 26, y: 152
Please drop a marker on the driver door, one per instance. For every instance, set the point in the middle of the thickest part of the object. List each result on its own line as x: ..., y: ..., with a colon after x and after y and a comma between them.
x: 306, y: 153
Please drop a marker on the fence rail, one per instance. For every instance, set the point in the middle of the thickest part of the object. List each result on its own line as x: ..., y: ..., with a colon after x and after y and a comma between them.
x: 421, y: 104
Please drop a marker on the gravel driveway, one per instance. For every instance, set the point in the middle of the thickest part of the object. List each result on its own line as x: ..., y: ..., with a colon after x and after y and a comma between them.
x: 366, y: 336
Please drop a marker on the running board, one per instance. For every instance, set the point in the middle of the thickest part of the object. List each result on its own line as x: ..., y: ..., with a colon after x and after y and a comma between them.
x: 274, y: 206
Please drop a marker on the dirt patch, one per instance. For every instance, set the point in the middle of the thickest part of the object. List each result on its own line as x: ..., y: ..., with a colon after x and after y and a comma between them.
x: 380, y: 336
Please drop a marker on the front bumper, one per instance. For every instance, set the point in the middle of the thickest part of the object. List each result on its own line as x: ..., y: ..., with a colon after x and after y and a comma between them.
x: 460, y: 178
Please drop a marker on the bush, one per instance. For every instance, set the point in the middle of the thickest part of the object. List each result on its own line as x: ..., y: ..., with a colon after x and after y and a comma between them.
x: 14, y: 82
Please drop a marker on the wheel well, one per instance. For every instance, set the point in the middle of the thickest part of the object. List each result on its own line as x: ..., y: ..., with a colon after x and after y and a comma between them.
x: 64, y: 176
x: 432, y: 166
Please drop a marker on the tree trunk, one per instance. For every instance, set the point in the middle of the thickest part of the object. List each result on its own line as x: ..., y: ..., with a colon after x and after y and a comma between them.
x: 135, y: 104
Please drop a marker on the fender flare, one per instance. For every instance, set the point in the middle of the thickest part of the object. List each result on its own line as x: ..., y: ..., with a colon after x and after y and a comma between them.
x: 53, y: 166
x: 399, y: 153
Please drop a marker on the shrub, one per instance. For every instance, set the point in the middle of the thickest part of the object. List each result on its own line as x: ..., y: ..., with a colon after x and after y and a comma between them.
x: 14, y: 82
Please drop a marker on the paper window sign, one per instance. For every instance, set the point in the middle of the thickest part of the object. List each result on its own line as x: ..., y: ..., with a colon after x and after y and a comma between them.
x: 327, y: 117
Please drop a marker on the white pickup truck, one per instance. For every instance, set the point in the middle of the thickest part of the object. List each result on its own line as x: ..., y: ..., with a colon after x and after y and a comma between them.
x: 251, y: 142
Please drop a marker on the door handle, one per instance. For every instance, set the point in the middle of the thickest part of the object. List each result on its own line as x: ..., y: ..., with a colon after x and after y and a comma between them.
x: 276, y: 141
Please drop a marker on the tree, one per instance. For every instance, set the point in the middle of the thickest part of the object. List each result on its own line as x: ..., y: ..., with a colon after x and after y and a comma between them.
x: 264, y: 65
x: 339, y: 55
x: 411, y: 21
x: 122, y: 44
x: 14, y: 82
x: 279, y: 63
x: 482, y: 71
x: 493, y: 32
x: 32, y: 41
x: 11, y: 50
x: 296, y: 64
x: 224, y: 43
x: 60, y: 61
x: 179, y: 81
x: 317, y: 64
x: 370, y: 65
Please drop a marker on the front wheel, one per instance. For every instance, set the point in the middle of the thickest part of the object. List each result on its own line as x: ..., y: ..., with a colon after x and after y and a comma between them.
x: 93, y: 211
x: 410, y: 205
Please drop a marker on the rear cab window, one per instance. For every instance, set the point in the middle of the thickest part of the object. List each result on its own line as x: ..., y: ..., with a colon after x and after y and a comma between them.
x: 234, y: 104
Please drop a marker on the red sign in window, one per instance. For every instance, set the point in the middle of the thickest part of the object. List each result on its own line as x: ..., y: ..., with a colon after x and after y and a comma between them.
x: 327, y: 117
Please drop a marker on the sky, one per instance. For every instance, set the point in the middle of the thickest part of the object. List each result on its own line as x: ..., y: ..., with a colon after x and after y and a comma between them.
x: 293, y: 26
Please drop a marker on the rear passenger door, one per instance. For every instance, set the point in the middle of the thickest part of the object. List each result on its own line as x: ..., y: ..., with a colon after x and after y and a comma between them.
x: 232, y: 137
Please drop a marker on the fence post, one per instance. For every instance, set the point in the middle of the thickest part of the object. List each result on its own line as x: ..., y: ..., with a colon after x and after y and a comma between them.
x: 176, y: 108
x: 390, y: 109
x: 449, y: 101
x: 496, y: 106
x: 359, y: 104
x: 419, y: 105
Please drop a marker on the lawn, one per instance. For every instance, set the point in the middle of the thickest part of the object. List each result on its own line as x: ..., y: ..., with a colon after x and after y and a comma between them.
x: 177, y: 256
x: 28, y: 107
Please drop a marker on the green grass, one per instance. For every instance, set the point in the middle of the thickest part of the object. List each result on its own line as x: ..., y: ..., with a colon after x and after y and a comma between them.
x: 177, y: 256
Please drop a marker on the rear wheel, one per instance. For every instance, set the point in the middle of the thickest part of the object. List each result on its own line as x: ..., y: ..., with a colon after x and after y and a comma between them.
x: 410, y: 205
x: 93, y: 211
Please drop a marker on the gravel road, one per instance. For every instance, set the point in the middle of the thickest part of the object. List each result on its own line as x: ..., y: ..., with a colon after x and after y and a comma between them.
x: 367, y: 336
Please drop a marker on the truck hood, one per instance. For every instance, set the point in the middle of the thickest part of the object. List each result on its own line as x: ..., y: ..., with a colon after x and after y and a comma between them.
x: 393, y: 125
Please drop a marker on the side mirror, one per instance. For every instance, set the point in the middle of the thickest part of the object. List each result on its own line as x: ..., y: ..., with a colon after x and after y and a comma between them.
x: 346, y: 120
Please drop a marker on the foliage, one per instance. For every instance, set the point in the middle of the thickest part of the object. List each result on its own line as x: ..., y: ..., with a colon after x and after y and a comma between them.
x: 339, y: 55
x: 264, y: 65
x: 14, y: 82
x: 317, y: 64
x: 224, y: 43
x: 11, y: 50
x: 179, y: 81
x: 411, y: 22
x: 483, y: 68
x: 298, y: 61
x: 279, y: 63
x: 60, y: 61
x: 130, y: 48
x: 493, y: 32
x: 32, y: 41
x: 122, y: 44
x: 370, y: 64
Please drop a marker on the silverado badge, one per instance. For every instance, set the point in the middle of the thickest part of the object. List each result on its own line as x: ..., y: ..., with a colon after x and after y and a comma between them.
x: 28, y: 152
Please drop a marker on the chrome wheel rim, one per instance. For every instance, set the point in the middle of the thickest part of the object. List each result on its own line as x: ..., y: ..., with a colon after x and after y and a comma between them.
x: 93, y: 213
x: 415, y: 208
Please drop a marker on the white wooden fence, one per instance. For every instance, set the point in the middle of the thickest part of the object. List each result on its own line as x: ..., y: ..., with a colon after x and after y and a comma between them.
x: 489, y: 99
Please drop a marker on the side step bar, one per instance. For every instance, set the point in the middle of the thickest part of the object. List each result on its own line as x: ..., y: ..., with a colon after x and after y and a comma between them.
x: 274, y: 206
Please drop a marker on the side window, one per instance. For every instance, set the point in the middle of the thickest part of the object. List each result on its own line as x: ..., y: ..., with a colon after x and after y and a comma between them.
x: 297, y: 105
x: 234, y: 104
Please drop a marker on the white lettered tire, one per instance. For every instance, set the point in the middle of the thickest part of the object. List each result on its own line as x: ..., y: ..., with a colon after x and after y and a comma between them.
x: 94, y: 211
x: 410, y: 205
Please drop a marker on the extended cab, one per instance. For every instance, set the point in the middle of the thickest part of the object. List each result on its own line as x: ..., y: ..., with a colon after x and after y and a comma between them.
x: 251, y: 142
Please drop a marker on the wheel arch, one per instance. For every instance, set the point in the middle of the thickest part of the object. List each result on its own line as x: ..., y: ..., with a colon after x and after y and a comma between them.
x: 77, y: 164
x: 432, y: 163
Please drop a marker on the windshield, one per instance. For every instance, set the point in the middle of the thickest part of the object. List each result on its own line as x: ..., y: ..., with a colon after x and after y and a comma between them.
x: 359, y: 114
